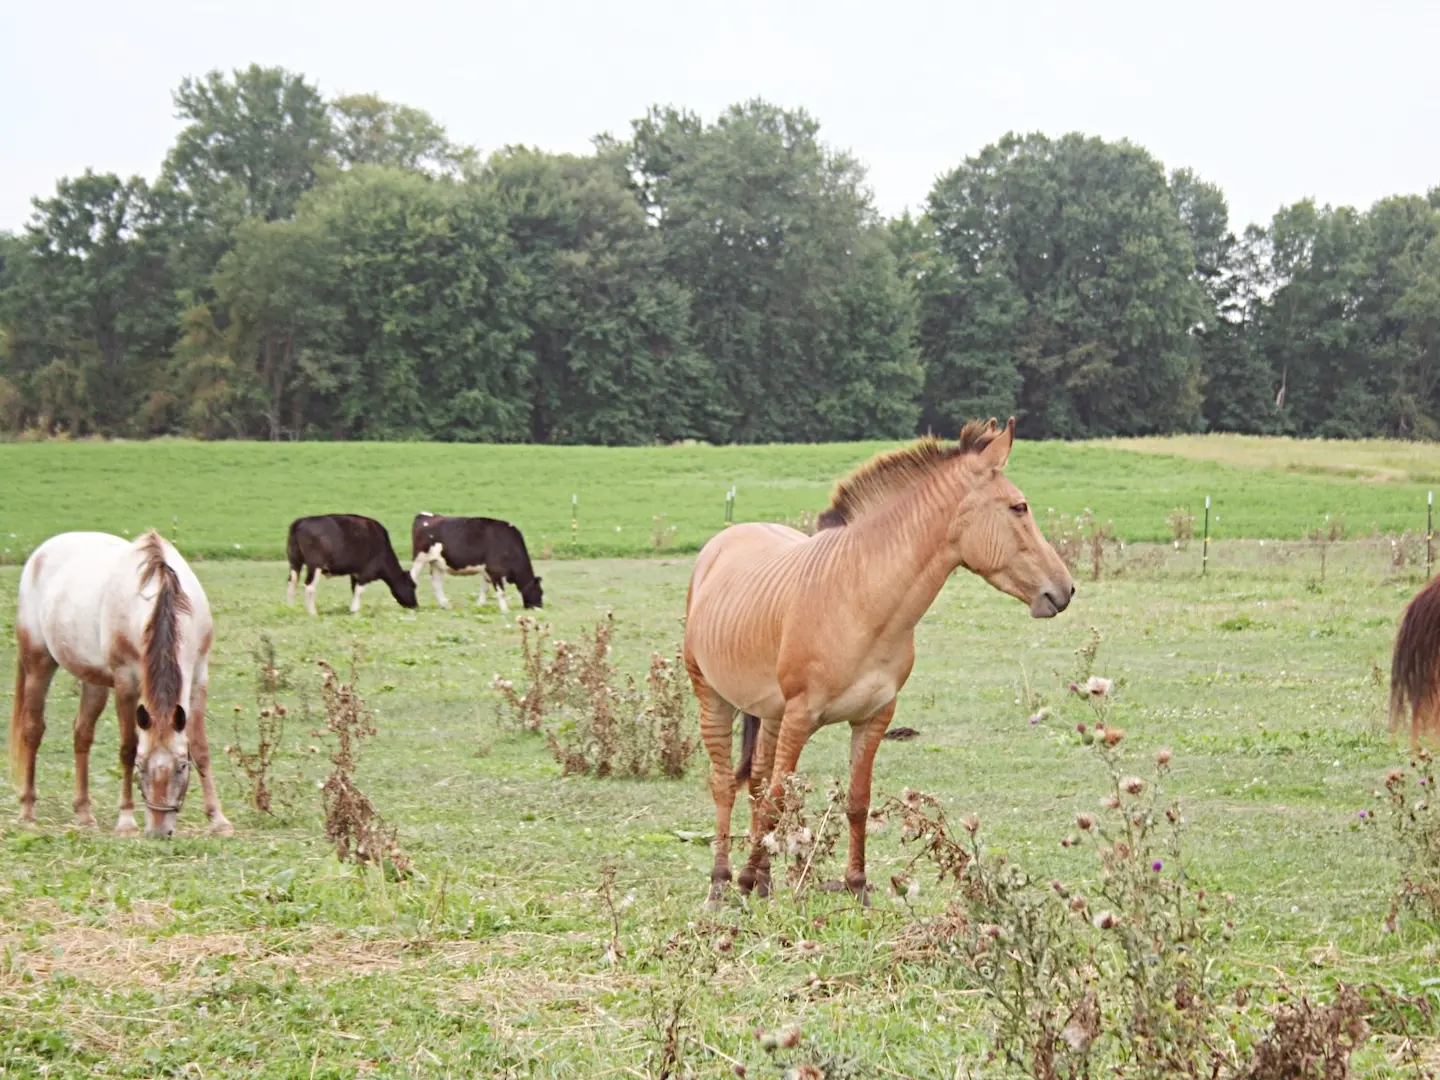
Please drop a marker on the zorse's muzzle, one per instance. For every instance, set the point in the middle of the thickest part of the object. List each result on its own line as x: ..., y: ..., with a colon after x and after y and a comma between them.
x: 1052, y: 599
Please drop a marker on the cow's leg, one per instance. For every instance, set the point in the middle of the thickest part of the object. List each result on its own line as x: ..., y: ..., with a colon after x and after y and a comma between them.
x: 500, y: 594
x: 359, y: 591
x: 864, y: 741
x: 418, y: 567
x: 290, y: 588
x: 484, y: 590
x: 437, y: 578
x: 310, y: 589
x: 39, y: 669
x: 92, y: 704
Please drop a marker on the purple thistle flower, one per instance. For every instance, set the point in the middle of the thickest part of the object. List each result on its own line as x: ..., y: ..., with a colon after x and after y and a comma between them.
x: 1363, y: 814
x: 1157, y: 866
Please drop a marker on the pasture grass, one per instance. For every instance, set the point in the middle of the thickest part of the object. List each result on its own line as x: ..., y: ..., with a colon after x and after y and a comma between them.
x: 262, y: 955
x: 1374, y: 460
x: 236, y: 500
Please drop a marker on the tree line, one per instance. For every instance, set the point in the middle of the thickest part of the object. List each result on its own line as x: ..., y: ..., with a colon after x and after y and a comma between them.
x: 340, y: 269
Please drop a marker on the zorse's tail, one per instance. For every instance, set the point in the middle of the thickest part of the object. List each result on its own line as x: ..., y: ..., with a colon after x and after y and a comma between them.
x: 749, y: 729
x: 17, y: 722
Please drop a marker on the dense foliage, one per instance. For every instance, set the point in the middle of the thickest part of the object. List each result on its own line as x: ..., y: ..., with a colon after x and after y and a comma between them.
x: 304, y: 268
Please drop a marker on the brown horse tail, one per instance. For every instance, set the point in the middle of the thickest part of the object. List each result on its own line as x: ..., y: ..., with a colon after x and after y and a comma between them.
x: 17, y: 721
x: 1415, y: 667
x: 749, y: 729
x: 161, y: 678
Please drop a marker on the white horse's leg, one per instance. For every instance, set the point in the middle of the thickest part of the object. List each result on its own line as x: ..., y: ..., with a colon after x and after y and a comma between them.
x: 126, y: 700
x: 37, y: 668
x: 200, y: 754
x: 92, y: 704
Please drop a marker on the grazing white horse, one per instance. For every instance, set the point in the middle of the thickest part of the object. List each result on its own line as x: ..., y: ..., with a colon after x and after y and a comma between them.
x: 129, y: 616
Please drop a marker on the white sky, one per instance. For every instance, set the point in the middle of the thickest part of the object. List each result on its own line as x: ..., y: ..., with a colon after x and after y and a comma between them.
x: 1273, y: 101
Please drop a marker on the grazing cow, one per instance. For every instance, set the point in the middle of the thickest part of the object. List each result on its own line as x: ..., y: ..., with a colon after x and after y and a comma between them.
x: 469, y: 545
x: 345, y: 544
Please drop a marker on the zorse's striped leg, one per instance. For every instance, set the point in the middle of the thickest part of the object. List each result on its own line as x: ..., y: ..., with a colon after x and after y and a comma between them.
x: 717, y: 718
x: 787, y: 742
x: 756, y: 874
x: 864, y: 741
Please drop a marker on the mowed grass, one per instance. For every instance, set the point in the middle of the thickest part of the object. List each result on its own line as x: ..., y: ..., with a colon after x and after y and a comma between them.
x: 261, y: 955
x: 1382, y: 460
x: 229, y: 500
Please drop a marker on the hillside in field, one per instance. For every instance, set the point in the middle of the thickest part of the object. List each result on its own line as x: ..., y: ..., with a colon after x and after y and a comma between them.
x: 236, y: 499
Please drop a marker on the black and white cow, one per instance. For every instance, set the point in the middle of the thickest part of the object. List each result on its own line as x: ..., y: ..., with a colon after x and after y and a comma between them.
x: 470, y: 545
x: 345, y: 544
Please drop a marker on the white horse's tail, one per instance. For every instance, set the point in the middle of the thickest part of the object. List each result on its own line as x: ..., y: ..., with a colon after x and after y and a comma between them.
x: 17, y: 721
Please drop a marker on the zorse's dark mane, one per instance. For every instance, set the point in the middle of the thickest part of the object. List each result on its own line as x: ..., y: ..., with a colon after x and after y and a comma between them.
x: 886, y: 474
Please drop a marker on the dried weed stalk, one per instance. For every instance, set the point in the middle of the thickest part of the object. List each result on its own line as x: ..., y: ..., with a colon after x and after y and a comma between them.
x: 351, y: 821
x: 597, y: 723
x: 1063, y: 532
x: 1310, y: 1042
x: 688, y: 964
x: 804, y: 849
x: 258, y: 766
x: 1096, y: 537
x: 1113, y: 978
x: 1182, y: 527
x: 544, y: 680
x: 1415, y: 825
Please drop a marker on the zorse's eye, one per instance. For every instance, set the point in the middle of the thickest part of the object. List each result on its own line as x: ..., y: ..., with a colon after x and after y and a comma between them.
x: 1020, y: 508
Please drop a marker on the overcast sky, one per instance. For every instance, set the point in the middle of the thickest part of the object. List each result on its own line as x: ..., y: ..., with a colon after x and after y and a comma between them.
x: 1273, y: 101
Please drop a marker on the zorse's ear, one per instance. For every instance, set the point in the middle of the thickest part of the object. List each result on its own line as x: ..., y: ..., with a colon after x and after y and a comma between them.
x: 998, y: 452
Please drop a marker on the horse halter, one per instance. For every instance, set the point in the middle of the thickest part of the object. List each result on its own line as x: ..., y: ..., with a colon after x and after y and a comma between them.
x: 159, y: 808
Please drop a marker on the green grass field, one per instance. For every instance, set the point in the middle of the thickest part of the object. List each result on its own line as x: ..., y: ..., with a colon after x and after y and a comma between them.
x: 229, y: 500
x: 261, y: 955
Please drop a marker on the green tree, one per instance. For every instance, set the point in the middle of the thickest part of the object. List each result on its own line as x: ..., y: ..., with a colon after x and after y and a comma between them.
x: 608, y: 329
x: 433, y: 332
x: 1068, y: 269
x: 88, y: 306
x: 371, y: 131
x: 275, y: 321
x: 794, y: 293
x: 1239, y: 384
x: 254, y: 142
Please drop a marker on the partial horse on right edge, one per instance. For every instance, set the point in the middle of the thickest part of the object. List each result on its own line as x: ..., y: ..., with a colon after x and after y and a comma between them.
x: 1415, y: 666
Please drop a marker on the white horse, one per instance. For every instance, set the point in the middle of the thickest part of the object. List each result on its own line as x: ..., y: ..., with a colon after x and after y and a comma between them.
x: 131, y: 616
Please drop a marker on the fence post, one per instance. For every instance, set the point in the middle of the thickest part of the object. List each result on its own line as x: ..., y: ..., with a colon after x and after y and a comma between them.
x: 574, y: 519
x: 1205, y: 544
x: 1429, y: 533
x: 730, y: 506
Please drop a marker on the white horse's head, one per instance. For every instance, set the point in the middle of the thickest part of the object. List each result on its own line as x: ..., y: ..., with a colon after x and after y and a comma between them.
x: 162, y: 757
